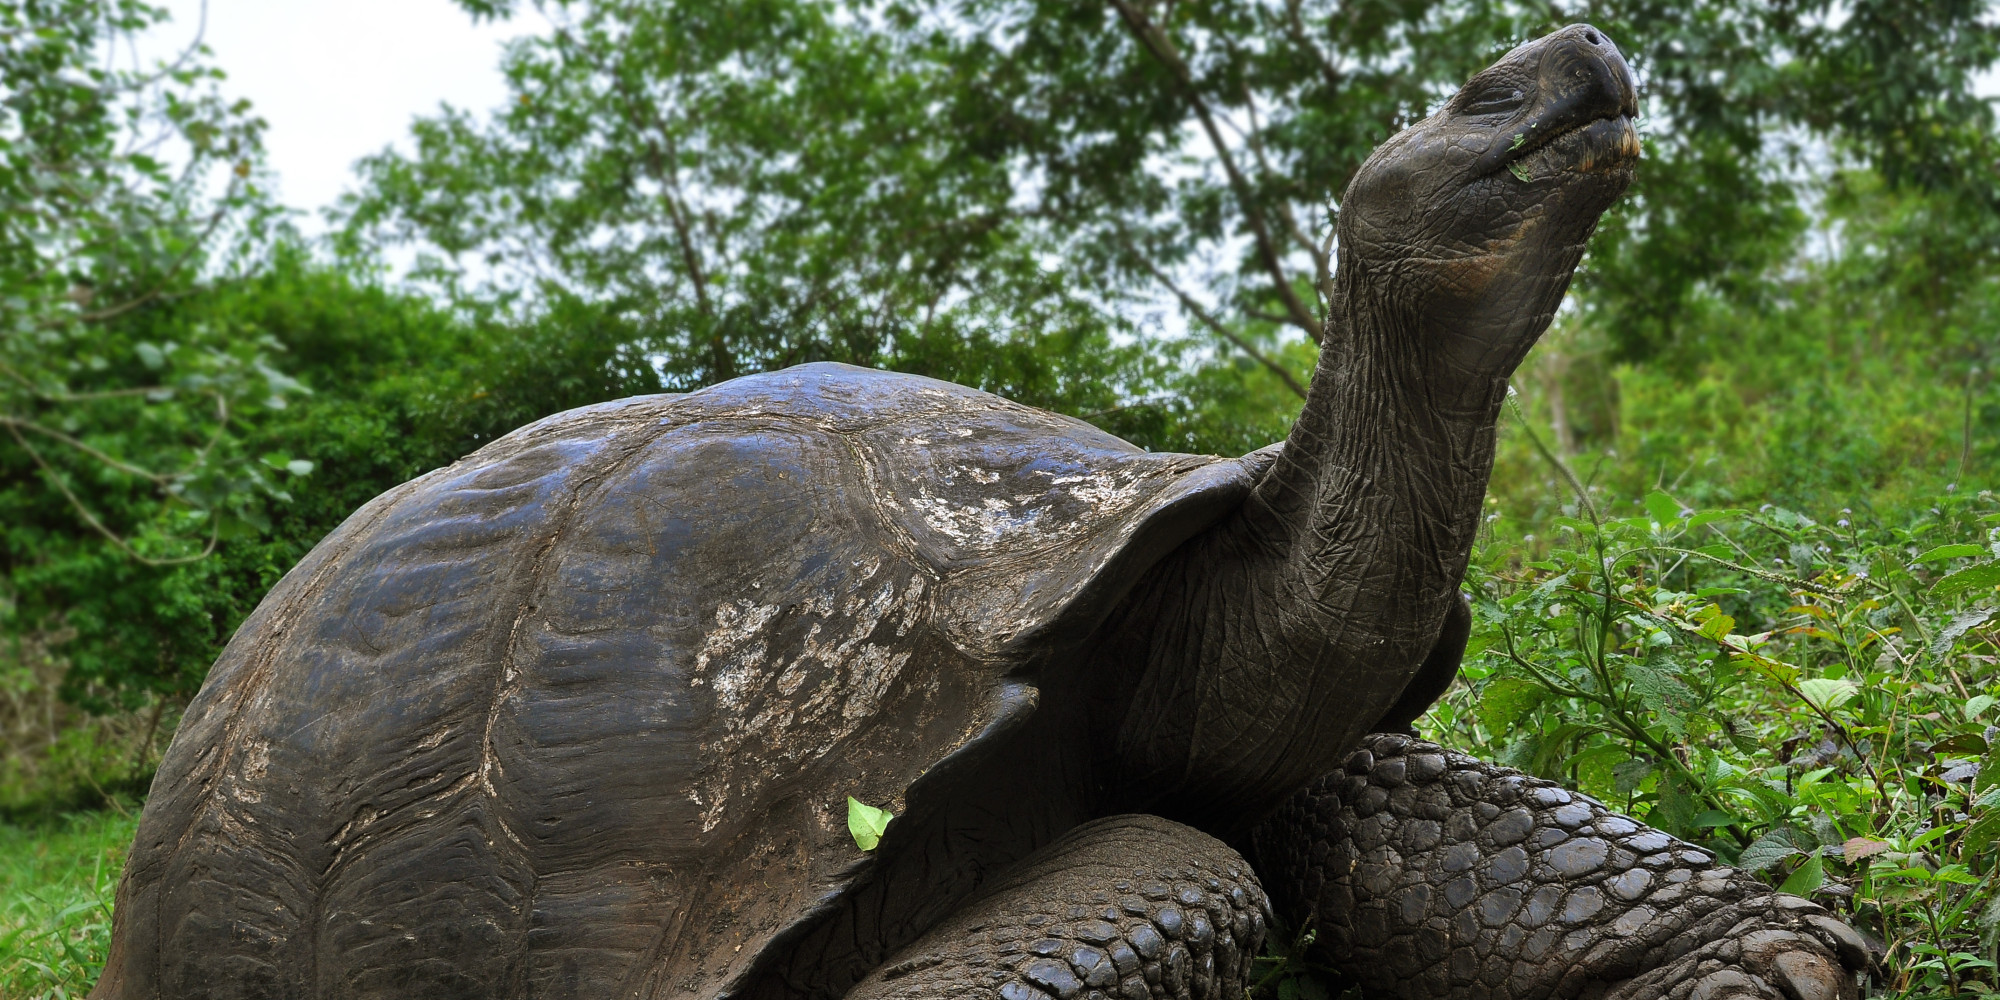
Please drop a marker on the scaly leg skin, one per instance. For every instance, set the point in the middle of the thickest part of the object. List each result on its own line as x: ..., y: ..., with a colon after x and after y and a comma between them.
x: 1131, y: 907
x: 1431, y: 875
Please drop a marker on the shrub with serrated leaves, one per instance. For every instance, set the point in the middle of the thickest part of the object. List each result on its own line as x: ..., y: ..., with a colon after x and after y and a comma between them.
x: 1809, y: 699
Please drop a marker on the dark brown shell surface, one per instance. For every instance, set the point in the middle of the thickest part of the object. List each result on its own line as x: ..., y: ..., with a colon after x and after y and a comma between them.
x: 586, y: 707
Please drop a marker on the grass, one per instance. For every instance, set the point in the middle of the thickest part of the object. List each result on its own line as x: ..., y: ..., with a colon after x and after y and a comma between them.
x: 57, y: 880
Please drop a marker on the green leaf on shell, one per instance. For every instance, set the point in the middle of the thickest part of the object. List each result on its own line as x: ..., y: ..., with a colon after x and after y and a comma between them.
x: 866, y: 823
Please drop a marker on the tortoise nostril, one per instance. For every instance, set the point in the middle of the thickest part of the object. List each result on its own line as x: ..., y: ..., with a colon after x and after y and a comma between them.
x: 1590, y: 37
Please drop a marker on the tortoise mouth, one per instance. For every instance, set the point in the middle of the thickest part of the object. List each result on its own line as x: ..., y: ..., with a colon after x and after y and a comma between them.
x: 1598, y: 145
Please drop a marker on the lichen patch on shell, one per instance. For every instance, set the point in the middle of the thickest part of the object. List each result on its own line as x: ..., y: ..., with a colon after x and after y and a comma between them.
x: 782, y: 699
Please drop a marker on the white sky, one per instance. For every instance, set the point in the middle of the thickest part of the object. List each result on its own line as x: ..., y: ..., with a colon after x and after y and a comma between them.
x: 339, y: 79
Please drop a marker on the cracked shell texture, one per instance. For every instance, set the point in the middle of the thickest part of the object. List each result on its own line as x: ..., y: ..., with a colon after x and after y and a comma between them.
x: 515, y: 728
x: 1433, y: 875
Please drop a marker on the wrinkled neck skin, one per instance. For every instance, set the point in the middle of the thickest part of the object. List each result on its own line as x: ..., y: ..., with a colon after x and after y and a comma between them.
x: 1266, y: 648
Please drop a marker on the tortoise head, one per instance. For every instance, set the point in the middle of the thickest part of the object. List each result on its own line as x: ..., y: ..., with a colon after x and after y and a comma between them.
x: 1459, y: 235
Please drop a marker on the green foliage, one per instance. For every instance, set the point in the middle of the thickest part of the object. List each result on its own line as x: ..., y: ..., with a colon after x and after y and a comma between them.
x: 55, y: 757
x: 1809, y: 700
x: 136, y: 630
x: 910, y: 183
x: 136, y: 433
x: 1286, y: 971
x: 57, y: 882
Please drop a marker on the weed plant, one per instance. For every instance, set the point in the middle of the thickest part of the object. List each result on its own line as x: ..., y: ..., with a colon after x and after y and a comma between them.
x: 1812, y: 701
x: 57, y: 881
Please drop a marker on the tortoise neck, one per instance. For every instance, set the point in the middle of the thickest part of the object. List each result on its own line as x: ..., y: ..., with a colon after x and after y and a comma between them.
x: 1365, y: 525
x: 1382, y: 425
x: 1273, y: 643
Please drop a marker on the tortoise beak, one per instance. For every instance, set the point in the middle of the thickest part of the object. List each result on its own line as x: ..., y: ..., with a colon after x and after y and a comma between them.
x: 1581, y: 81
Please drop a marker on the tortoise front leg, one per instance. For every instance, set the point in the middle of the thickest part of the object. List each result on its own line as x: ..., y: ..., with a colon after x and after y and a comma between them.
x: 1131, y: 907
x: 1429, y: 874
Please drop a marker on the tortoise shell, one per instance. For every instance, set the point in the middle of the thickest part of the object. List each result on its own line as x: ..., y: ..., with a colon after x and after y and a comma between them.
x: 539, y: 718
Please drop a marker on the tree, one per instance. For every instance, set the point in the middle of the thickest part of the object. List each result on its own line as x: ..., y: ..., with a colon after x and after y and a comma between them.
x: 759, y: 184
x: 126, y: 188
x: 124, y: 461
x: 735, y: 187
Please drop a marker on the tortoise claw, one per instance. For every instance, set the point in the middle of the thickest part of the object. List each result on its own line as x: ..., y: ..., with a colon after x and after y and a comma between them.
x: 1844, y: 940
x: 1800, y: 966
x: 1773, y: 963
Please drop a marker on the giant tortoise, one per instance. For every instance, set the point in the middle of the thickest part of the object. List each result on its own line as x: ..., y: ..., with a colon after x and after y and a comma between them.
x: 580, y: 715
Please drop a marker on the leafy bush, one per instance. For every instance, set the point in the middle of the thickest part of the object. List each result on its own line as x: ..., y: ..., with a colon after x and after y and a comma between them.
x: 1808, y: 699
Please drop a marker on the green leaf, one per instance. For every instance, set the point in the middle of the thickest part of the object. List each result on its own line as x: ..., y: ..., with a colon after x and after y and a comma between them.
x: 1718, y: 626
x: 1664, y: 693
x: 1955, y: 874
x: 1664, y: 509
x: 1506, y: 700
x: 299, y: 467
x: 1961, y: 623
x: 1596, y: 767
x: 1675, y: 806
x: 1989, y: 771
x: 1915, y: 873
x: 1956, y: 551
x: 866, y: 823
x: 1712, y: 818
x: 1982, y: 832
x: 1767, y: 850
x: 1712, y: 516
x: 1964, y: 743
x: 1982, y: 577
x: 1807, y: 879
x: 1989, y: 924
x: 1628, y: 776
x: 1827, y: 694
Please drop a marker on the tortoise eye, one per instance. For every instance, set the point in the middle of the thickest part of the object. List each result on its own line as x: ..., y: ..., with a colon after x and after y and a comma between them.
x: 1495, y: 100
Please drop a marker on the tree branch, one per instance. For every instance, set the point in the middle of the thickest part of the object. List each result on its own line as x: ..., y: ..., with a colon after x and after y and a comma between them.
x: 215, y: 523
x: 1162, y: 49
x: 1295, y: 26
x: 15, y: 425
x: 644, y: 117
x: 1208, y: 320
x: 1253, y: 137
